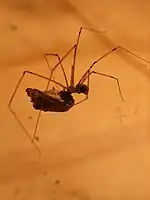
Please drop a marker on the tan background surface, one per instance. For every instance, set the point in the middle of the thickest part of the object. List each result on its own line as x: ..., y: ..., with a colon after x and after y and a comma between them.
x: 99, y: 149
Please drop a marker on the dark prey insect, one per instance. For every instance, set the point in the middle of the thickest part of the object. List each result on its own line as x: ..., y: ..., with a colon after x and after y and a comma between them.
x: 44, y: 102
x: 62, y: 100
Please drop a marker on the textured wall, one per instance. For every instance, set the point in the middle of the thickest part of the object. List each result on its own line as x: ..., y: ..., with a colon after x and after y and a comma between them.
x: 100, y: 148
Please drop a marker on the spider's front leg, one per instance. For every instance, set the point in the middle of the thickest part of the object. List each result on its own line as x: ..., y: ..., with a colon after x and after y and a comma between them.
x: 76, y: 48
x: 108, y: 76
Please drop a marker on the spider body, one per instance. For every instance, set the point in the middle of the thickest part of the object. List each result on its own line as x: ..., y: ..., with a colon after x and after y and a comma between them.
x: 49, y: 103
x: 79, y: 89
x: 62, y: 100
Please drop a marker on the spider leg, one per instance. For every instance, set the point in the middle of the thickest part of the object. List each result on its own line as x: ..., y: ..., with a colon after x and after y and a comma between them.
x: 75, y: 51
x: 50, y: 79
x: 47, y: 63
x: 59, y: 63
x: 44, y: 77
x: 108, y: 76
x: 108, y: 53
x: 39, y: 115
x: 35, y: 74
x: 13, y: 96
x: 52, y: 69
x: 133, y: 54
x: 22, y: 126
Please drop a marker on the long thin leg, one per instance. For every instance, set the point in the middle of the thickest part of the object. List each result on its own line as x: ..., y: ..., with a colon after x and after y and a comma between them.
x: 75, y: 52
x: 108, y: 76
x: 52, y: 69
x: 28, y: 135
x: 46, y: 90
x: 108, y: 53
x: 44, y: 77
x: 60, y: 62
x: 13, y: 95
x: 50, y: 79
x: 39, y: 114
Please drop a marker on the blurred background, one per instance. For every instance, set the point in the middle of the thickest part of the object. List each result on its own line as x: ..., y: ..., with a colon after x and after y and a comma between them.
x: 99, y: 149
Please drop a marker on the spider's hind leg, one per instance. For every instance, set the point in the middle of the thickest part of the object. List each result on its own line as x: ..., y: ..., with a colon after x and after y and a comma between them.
x: 15, y: 115
x: 130, y: 53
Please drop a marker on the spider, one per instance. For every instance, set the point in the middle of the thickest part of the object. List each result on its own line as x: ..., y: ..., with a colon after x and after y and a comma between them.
x: 62, y: 100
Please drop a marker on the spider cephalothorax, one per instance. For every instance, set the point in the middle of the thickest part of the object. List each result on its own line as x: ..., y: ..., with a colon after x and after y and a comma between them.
x: 82, y: 88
